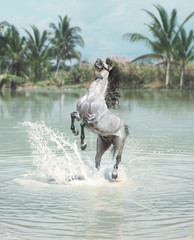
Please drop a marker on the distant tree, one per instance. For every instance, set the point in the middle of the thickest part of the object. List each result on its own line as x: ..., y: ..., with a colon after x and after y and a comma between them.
x: 64, y: 42
x: 163, y: 30
x: 37, y: 52
x: 184, y: 51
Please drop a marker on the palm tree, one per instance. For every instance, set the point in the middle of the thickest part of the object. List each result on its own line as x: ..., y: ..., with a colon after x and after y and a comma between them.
x: 183, y: 52
x: 1, y: 29
x: 37, y: 51
x: 12, y: 55
x: 163, y: 31
x: 64, y: 42
x: 15, y: 51
x: 4, y: 62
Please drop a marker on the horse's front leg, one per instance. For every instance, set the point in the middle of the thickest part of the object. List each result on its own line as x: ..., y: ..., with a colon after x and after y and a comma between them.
x: 83, y: 144
x: 73, y: 116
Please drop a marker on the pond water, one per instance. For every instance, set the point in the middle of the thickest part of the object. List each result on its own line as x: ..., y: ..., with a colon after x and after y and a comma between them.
x: 49, y: 188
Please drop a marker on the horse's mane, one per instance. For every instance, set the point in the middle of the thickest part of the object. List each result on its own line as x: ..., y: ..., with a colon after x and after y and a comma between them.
x: 112, y: 92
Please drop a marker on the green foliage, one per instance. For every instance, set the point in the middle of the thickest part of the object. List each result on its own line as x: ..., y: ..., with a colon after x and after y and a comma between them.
x: 10, y: 80
x: 31, y: 57
x: 77, y: 74
x: 140, y: 76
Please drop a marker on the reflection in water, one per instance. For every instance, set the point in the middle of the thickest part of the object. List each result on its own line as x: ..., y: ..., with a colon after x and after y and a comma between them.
x: 152, y: 199
x: 161, y: 101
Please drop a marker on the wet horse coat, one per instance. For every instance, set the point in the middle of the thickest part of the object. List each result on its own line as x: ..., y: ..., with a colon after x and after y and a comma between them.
x: 96, y: 116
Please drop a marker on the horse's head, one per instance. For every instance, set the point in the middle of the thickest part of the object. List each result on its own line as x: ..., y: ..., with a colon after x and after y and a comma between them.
x: 100, y: 65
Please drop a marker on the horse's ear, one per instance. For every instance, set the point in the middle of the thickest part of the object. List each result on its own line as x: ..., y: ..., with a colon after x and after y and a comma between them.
x: 109, y: 62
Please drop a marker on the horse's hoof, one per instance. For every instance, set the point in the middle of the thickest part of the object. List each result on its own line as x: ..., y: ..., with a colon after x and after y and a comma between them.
x: 75, y: 132
x: 83, y: 146
x: 114, y: 174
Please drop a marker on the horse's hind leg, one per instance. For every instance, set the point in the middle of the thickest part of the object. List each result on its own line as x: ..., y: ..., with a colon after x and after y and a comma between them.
x: 115, y: 169
x: 83, y: 144
x: 118, y: 145
x: 73, y: 116
x: 103, y: 144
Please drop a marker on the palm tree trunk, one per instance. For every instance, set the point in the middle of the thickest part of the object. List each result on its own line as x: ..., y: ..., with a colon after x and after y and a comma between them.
x: 15, y: 67
x: 168, y: 81
x: 182, y: 77
x: 57, y: 71
x: 35, y: 75
x: 13, y: 85
x: 2, y: 82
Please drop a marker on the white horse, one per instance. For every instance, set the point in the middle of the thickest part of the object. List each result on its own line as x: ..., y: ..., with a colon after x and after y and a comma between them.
x: 95, y: 115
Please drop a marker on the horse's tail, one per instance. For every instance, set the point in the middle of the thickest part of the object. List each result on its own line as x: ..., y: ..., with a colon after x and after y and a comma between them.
x: 115, y: 147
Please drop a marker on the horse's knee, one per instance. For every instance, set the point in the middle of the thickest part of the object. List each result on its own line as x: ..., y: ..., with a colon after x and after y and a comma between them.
x: 76, y: 115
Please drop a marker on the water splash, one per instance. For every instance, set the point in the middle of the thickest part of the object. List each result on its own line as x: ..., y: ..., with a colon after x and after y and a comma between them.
x: 56, y: 158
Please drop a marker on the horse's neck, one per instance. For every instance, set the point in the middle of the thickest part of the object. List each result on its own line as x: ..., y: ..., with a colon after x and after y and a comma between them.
x: 99, y: 86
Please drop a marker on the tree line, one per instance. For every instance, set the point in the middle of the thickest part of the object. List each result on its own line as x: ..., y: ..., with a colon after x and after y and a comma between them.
x: 39, y: 56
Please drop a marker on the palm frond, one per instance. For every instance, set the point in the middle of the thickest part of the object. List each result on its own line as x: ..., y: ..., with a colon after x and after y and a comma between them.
x: 187, y: 19
x: 29, y: 35
x: 136, y: 37
x: 164, y: 63
x: 5, y: 24
x: 163, y: 15
x: 161, y: 63
x: 155, y: 19
x: 148, y: 56
x: 11, y: 78
x: 189, y: 39
x: 172, y: 23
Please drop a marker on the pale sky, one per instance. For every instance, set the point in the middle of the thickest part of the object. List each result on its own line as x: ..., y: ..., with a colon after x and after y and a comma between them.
x: 103, y: 22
